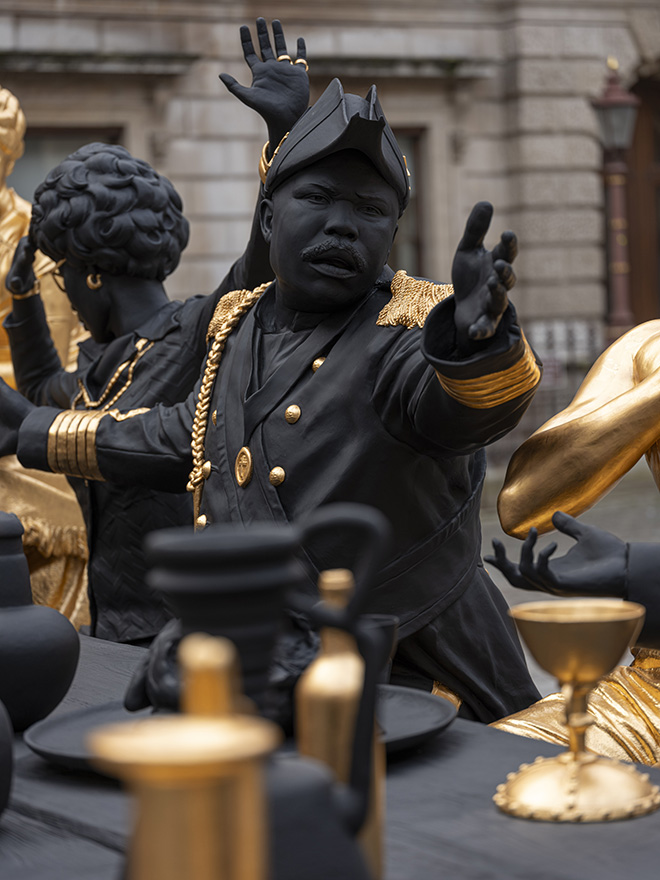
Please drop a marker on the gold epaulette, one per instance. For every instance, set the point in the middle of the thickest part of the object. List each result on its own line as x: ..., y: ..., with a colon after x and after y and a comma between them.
x: 230, y: 304
x: 412, y: 300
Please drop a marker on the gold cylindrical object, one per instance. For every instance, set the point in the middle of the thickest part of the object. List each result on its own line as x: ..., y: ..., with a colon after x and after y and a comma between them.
x: 197, y: 778
x: 327, y: 701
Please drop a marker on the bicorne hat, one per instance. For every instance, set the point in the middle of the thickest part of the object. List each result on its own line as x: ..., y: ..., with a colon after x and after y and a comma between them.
x: 338, y: 121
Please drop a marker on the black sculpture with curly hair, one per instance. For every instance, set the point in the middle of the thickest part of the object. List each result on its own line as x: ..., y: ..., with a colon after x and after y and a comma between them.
x: 104, y: 210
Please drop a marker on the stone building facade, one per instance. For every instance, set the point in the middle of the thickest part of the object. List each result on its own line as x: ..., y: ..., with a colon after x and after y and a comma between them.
x: 489, y: 96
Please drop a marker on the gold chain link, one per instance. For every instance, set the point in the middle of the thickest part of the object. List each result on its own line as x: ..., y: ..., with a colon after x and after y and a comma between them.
x: 142, y: 346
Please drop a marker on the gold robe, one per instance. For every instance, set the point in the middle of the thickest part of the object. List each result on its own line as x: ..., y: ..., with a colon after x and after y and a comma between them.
x: 626, y: 708
x: 54, y: 541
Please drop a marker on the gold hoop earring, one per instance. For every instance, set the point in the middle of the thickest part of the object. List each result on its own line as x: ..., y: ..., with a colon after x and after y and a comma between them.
x: 94, y: 281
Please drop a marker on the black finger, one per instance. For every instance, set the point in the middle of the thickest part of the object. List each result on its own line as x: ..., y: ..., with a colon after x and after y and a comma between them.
x: 278, y: 37
x: 301, y: 48
x: 476, y: 226
x: 505, y: 273
x: 527, y: 550
x: 483, y: 328
x: 567, y: 524
x: 249, y: 54
x: 546, y: 553
x: 264, y: 40
x: 228, y: 80
x: 507, y: 247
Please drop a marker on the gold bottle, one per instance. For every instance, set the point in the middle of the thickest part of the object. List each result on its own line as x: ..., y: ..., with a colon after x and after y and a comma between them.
x: 327, y: 700
x: 197, y: 777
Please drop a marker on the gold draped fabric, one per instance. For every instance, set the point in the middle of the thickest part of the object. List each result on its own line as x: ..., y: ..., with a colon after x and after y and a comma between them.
x: 626, y: 708
x: 55, y: 540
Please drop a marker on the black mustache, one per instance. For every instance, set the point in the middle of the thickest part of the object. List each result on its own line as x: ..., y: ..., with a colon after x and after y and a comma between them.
x: 313, y: 252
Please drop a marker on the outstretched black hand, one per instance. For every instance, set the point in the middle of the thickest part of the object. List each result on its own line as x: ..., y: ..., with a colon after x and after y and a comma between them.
x: 280, y: 89
x: 21, y: 278
x: 594, y: 566
x: 481, y: 279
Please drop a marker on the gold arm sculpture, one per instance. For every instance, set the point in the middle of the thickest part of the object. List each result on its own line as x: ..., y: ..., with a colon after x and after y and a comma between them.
x: 568, y: 464
x: 572, y: 460
x: 55, y: 541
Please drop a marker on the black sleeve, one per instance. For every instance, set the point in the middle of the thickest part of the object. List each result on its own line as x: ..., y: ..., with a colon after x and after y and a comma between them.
x: 644, y: 587
x: 40, y: 376
x: 437, y: 402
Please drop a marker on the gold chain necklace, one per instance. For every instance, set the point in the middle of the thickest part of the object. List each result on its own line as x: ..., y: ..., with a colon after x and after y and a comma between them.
x: 142, y: 346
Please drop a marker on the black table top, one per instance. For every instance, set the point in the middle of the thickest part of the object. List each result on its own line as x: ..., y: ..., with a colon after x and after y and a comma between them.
x: 67, y: 825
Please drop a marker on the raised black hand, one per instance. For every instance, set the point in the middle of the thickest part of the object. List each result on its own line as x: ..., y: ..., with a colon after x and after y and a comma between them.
x: 482, y: 279
x: 280, y: 89
x: 21, y: 278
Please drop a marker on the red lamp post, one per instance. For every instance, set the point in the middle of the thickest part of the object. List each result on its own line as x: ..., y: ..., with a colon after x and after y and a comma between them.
x: 616, y: 109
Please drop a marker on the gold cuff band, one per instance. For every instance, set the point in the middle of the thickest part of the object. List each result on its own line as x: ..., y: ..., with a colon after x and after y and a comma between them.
x: 72, y: 444
x: 485, y: 392
x: 264, y: 162
x: 36, y: 290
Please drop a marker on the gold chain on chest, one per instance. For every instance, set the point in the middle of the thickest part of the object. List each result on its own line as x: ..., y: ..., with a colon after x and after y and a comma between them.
x: 222, y: 324
x: 104, y: 402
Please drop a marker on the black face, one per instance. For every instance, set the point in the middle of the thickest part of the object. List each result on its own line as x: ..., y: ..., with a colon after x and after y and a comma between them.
x: 330, y: 228
x: 91, y: 306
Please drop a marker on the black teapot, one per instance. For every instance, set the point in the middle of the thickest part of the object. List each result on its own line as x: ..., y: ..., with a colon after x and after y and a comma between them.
x: 234, y: 582
x: 39, y: 647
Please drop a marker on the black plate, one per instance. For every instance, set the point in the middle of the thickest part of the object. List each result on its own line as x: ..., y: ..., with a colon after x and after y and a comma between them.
x: 63, y: 739
x: 408, y: 717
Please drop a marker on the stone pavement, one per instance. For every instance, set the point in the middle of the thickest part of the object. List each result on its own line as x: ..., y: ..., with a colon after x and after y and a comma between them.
x: 631, y: 511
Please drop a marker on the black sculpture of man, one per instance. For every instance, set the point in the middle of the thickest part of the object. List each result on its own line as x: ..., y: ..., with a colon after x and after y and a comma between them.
x: 322, y: 387
x: 116, y: 229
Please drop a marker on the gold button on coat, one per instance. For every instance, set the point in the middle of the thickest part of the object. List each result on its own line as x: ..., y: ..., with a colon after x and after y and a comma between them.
x: 276, y: 476
x: 292, y: 414
x: 201, y: 521
x: 317, y: 363
x: 206, y: 470
x: 243, y: 466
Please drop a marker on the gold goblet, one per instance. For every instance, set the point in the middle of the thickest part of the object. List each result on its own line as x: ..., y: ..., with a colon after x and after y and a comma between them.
x: 578, y: 641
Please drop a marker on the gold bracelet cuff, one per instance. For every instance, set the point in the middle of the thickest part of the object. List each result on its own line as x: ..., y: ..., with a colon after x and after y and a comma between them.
x: 485, y: 392
x: 72, y: 444
x: 265, y: 162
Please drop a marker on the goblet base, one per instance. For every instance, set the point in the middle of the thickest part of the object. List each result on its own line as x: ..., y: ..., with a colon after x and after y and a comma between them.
x: 577, y: 788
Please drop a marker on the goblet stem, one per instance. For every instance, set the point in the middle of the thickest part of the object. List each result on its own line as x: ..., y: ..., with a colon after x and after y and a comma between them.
x: 578, y: 718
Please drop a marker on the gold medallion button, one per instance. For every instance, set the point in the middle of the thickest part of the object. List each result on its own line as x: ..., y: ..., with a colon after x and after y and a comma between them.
x: 292, y: 414
x: 276, y: 476
x: 214, y: 417
x: 206, y: 470
x: 317, y: 363
x: 201, y: 521
x: 243, y: 466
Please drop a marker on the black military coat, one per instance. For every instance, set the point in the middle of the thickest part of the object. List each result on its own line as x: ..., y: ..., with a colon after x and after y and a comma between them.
x: 354, y: 411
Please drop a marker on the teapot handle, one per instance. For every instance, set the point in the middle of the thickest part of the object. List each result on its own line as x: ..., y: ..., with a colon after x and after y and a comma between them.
x: 376, y: 530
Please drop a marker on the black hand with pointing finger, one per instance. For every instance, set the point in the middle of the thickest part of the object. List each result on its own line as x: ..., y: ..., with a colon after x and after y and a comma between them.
x: 481, y: 280
x: 595, y: 566
x: 279, y: 92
